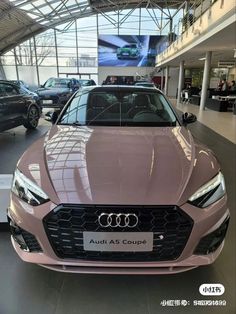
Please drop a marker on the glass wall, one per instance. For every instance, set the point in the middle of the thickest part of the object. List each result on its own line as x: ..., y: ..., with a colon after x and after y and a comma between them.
x: 71, y: 49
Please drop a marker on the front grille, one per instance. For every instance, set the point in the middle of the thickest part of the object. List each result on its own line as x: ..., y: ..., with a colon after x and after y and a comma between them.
x: 65, y: 225
x: 213, y: 240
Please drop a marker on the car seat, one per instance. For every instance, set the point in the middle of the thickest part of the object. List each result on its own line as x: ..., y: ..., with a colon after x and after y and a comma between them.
x: 97, y: 108
x: 141, y: 103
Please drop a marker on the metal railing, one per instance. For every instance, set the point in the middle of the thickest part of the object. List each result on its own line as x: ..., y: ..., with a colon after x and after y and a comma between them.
x: 192, y: 12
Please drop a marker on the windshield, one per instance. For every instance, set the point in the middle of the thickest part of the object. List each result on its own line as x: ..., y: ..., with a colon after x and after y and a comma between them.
x: 119, y: 108
x: 55, y: 83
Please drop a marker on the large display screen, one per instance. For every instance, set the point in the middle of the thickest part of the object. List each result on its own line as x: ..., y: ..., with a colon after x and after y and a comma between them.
x: 130, y: 50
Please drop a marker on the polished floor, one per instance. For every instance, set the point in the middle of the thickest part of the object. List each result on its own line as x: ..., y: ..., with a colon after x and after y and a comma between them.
x: 223, y: 123
x: 30, y: 289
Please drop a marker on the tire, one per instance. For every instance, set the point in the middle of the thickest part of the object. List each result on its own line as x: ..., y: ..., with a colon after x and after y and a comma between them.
x: 32, y: 119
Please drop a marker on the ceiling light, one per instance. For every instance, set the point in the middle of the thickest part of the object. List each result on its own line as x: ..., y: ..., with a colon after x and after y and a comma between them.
x: 202, y: 59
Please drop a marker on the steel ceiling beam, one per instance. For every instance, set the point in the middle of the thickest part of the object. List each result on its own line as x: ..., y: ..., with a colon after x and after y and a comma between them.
x: 70, y: 12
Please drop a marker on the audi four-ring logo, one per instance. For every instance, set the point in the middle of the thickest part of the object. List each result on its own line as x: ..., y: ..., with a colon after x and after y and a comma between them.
x: 121, y: 220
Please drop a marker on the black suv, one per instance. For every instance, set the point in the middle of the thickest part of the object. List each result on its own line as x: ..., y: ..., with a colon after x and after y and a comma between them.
x: 55, y: 92
x: 84, y: 82
x: 17, y: 108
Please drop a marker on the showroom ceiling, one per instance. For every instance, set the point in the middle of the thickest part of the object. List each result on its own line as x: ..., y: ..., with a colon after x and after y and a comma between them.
x: 25, y: 18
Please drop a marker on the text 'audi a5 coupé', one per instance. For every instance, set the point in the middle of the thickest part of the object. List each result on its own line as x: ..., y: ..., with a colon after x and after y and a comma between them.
x: 118, y: 185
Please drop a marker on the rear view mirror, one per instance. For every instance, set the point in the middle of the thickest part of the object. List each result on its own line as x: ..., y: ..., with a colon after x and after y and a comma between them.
x: 188, y: 117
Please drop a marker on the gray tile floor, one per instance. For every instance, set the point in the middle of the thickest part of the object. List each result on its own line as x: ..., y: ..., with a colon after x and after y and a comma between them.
x: 30, y: 289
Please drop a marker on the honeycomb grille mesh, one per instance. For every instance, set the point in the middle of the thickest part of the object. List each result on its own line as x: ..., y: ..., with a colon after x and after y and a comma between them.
x: 31, y: 241
x: 65, y: 225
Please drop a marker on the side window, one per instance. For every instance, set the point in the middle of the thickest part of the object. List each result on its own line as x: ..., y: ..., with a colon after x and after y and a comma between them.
x: 2, y: 90
x: 76, y: 111
x: 10, y: 90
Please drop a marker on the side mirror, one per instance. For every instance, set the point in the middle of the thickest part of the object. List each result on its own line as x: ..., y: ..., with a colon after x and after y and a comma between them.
x: 52, y: 116
x: 188, y: 117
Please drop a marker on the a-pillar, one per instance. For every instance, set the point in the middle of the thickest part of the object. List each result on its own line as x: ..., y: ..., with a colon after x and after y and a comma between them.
x: 205, y: 81
x: 166, y: 80
x: 181, y: 81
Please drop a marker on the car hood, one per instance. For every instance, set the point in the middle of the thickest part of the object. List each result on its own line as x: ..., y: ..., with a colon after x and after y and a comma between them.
x: 128, y: 165
x: 122, y: 166
x: 51, y: 91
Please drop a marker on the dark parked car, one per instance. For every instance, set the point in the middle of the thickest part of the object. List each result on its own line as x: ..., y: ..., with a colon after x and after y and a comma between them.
x: 55, y: 92
x: 24, y: 88
x: 34, y: 95
x: 145, y: 84
x: 84, y: 82
x: 17, y: 108
x: 20, y: 83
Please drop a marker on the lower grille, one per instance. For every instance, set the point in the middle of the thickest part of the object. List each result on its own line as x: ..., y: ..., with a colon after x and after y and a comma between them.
x: 65, y: 225
x: 213, y: 240
x: 25, y: 239
x: 31, y: 242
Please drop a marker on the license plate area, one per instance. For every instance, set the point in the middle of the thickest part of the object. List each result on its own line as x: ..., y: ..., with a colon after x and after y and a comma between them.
x: 47, y: 102
x: 118, y: 241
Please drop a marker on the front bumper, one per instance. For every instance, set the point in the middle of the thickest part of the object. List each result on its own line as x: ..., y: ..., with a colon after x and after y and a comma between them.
x: 127, y: 56
x: 205, y: 220
x: 56, y: 101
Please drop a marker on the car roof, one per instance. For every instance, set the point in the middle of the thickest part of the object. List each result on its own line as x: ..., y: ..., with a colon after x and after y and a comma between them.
x: 9, y: 82
x: 61, y: 78
x: 103, y: 88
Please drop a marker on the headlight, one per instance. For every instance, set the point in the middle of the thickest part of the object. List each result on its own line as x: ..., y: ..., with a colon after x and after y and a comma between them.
x: 209, y: 192
x: 27, y: 190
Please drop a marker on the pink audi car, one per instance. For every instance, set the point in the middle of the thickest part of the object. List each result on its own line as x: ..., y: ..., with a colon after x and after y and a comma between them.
x: 118, y: 185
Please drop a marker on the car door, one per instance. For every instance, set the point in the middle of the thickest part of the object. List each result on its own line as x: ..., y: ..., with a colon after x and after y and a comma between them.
x: 15, y: 103
x: 4, y: 114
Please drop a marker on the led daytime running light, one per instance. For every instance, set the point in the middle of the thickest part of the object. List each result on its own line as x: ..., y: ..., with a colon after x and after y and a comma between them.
x: 213, y: 183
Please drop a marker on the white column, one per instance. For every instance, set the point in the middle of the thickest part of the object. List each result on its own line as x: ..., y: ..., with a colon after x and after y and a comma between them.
x: 181, y: 81
x: 205, y: 81
x: 166, y: 80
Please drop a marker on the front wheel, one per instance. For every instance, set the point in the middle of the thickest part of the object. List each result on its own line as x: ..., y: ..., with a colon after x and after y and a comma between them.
x: 32, y: 119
